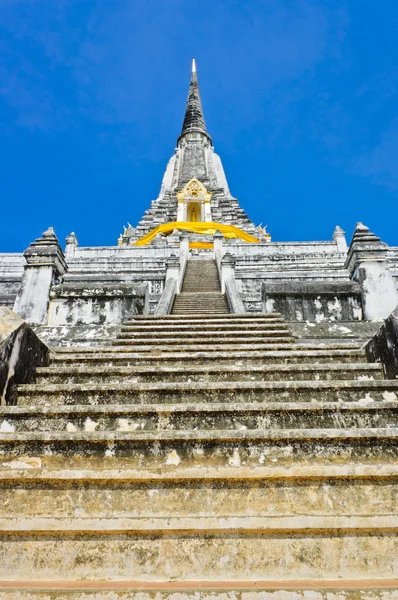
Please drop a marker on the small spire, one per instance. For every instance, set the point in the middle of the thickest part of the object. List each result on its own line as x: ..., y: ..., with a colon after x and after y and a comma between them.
x: 194, y: 119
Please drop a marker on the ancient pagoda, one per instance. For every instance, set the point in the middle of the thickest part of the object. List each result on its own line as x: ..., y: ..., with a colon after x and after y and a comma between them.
x: 199, y: 411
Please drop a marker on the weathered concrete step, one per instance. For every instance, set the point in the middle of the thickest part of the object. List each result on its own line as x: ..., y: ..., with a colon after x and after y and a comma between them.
x: 218, y: 392
x: 379, y: 442
x: 319, y: 472
x: 268, y: 566
x: 199, y: 525
x: 343, y: 347
x: 129, y: 493
x: 204, y: 283
x: 201, y: 297
x: 204, y: 336
x: 199, y: 308
x: 204, y: 308
x: 194, y: 289
x: 207, y: 417
x: 316, y: 589
x: 150, y: 319
x: 211, y: 287
x: 185, y: 311
x: 107, y: 357
x: 216, y: 345
x: 207, y: 327
x: 101, y: 374
x: 194, y: 307
x: 201, y: 279
x: 196, y: 293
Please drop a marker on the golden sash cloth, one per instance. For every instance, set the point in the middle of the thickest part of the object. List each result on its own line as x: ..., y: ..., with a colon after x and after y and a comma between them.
x: 228, y: 231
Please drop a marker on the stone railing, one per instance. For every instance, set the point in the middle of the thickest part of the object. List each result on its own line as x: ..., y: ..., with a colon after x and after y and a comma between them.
x: 226, y: 273
x: 234, y: 300
x: 21, y: 352
x: 314, y: 301
x: 167, y: 298
x: 383, y: 346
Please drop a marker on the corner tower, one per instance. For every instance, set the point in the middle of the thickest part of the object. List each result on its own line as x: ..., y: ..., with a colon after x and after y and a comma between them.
x: 194, y: 185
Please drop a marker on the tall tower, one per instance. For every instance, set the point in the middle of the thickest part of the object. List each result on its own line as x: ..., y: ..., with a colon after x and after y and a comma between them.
x: 194, y: 186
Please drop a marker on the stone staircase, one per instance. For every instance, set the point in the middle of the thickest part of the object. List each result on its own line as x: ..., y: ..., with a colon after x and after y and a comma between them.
x: 200, y: 292
x: 196, y: 452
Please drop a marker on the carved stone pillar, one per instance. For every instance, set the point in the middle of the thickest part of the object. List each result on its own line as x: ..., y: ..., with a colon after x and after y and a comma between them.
x: 227, y: 269
x: 71, y: 245
x: 367, y: 263
x: 45, y: 263
x: 173, y: 267
x: 339, y: 238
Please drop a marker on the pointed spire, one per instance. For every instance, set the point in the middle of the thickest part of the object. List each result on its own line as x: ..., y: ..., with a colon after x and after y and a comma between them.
x: 194, y: 119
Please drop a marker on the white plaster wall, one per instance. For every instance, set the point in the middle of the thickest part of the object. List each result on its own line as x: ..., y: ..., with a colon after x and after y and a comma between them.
x: 218, y: 168
x: 379, y: 293
x: 168, y: 176
x: 90, y: 311
x: 32, y: 301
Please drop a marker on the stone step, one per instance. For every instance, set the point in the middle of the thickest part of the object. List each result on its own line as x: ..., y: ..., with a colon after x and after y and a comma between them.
x: 107, y: 357
x: 209, y: 392
x: 208, y: 327
x: 199, y: 417
x: 199, y: 525
x: 188, y: 309
x: 187, y: 567
x: 137, y: 374
x: 204, y: 299
x: 208, y: 345
x: 200, y: 290
x: 200, y: 308
x: 78, y: 471
x: 192, y: 448
x: 201, y: 277
x: 230, y: 318
x: 206, y: 330
x: 321, y: 489
x: 202, y: 283
x: 206, y: 282
x: 198, y: 293
x: 281, y: 589
x: 190, y: 287
x: 200, y: 299
x: 204, y: 336
x: 195, y: 311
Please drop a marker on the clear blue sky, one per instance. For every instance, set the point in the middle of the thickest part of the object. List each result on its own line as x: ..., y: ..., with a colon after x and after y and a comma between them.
x: 300, y: 97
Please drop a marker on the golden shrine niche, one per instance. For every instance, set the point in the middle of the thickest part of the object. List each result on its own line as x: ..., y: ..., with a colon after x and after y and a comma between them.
x: 193, y: 203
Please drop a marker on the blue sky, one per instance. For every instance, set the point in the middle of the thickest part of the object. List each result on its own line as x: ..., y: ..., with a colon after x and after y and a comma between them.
x: 300, y: 97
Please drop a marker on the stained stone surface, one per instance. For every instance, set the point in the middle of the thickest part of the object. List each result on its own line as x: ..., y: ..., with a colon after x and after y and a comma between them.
x: 21, y: 351
x: 383, y: 346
